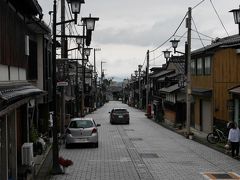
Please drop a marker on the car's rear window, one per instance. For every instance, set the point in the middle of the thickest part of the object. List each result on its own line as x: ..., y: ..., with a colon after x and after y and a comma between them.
x: 120, y: 110
x: 81, y: 124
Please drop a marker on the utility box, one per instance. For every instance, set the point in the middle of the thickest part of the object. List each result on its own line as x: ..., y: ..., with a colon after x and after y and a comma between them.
x: 27, y: 154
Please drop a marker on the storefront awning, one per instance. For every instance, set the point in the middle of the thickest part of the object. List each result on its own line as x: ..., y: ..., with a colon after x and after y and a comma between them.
x: 235, y: 90
x: 13, y: 94
x: 170, y: 88
x: 202, y: 92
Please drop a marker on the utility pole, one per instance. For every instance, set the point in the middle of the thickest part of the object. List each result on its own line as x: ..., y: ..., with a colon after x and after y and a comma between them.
x: 189, y: 89
x: 102, y: 81
x: 95, y: 79
x: 56, y: 169
x: 63, y: 55
x: 95, y: 76
x: 139, y: 87
x: 147, y: 81
x: 83, y: 75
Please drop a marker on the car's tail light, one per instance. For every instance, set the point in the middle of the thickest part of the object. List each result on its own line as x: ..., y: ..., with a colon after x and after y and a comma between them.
x: 68, y: 131
x: 94, y: 130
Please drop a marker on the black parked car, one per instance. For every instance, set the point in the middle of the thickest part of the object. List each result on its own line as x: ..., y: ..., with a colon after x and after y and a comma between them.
x: 119, y: 116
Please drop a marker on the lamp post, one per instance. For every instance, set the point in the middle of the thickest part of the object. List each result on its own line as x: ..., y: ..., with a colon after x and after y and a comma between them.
x: 79, y: 41
x: 76, y: 7
x: 89, y: 24
x: 95, y: 78
x: 136, y: 75
x: 87, y: 52
x: 167, y: 54
x: 96, y: 92
x: 236, y: 15
x: 102, y: 81
x: 147, y: 82
x: 175, y: 45
x: 55, y: 151
x: 90, y: 67
x: 139, y: 87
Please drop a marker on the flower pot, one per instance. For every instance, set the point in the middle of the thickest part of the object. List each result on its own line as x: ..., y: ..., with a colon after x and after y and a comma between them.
x: 190, y: 136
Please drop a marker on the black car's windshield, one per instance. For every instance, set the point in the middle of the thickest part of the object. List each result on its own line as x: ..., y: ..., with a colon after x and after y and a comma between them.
x: 81, y: 124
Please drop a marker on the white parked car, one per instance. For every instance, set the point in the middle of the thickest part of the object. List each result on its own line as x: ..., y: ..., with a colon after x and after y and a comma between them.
x: 82, y: 131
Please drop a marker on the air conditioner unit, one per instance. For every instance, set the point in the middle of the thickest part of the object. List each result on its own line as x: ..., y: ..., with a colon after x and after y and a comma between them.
x: 27, y: 154
x: 238, y: 51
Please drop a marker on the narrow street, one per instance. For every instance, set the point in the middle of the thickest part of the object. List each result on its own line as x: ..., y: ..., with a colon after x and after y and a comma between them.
x: 142, y: 150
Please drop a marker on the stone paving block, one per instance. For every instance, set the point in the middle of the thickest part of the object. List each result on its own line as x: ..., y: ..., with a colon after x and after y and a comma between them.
x: 118, y: 158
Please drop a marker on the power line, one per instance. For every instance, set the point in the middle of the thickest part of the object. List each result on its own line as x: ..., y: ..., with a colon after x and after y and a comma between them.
x: 144, y: 60
x: 204, y: 35
x: 197, y: 32
x: 195, y: 38
x: 219, y: 17
x: 171, y: 35
x: 198, y: 4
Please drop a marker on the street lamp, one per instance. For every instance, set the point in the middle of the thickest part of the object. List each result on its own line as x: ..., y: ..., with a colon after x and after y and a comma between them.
x: 90, y: 22
x: 175, y: 45
x: 87, y: 21
x: 56, y: 169
x: 87, y: 51
x: 79, y: 40
x: 136, y: 72
x: 95, y: 77
x: 236, y: 15
x: 101, y: 79
x: 167, y: 54
x: 90, y: 67
x: 75, y: 7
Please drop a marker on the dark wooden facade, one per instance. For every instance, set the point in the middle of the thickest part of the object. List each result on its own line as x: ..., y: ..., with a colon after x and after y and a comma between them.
x: 12, y: 35
x: 212, y: 89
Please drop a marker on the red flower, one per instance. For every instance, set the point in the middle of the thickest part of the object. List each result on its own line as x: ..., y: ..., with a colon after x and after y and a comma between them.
x: 64, y: 162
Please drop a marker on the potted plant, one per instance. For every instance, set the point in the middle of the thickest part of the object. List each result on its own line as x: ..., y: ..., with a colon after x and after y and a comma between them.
x: 37, y: 146
x: 190, y: 135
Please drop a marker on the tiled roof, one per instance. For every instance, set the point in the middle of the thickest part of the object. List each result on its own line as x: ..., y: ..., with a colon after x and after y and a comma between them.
x: 161, y: 73
x: 13, y: 93
x: 220, y: 42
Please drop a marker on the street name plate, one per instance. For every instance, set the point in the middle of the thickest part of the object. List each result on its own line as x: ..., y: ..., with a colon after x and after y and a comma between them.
x: 62, y: 83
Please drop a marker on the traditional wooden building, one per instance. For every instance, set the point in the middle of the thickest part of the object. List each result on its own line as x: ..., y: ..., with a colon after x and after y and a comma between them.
x: 171, y: 91
x: 25, y: 58
x: 214, y: 74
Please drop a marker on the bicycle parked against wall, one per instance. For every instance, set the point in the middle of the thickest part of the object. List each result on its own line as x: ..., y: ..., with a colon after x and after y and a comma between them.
x: 216, y: 136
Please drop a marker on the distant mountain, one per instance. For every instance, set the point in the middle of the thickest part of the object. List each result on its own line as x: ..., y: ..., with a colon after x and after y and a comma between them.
x: 118, y: 79
x: 116, y: 83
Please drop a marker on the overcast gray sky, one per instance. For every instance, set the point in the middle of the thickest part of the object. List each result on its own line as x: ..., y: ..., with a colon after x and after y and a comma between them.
x: 128, y: 28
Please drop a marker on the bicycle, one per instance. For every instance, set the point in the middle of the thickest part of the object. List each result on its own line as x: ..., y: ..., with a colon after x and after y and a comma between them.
x: 216, y: 136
